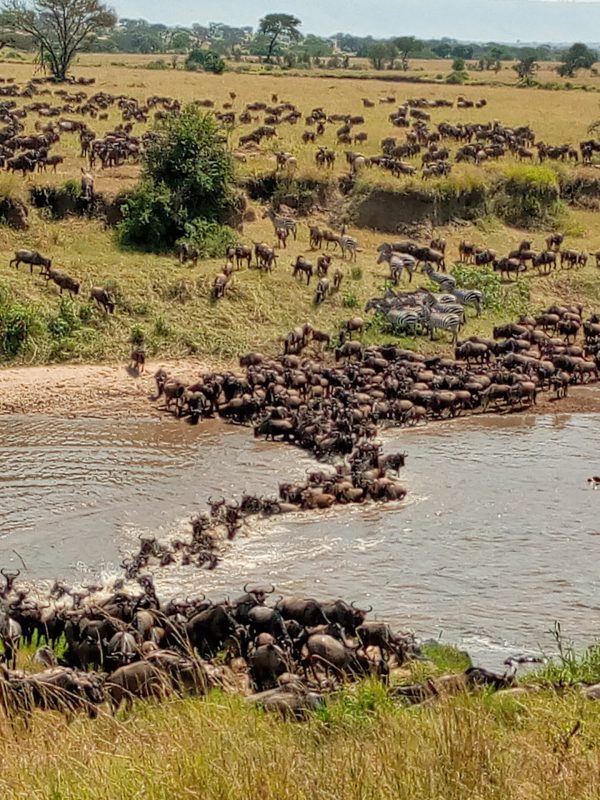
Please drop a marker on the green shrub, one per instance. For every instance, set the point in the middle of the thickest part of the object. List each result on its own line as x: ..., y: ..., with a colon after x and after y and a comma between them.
x: 160, y: 64
x: 205, y: 60
x: 19, y: 324
x: 349, y: 300
x: 187, y: 176
x: 66, y: 321
x: 485, y: 280
x: 149, y: 221
x: 138, y: 335
x: 456, y: 78
x: 210, y: 238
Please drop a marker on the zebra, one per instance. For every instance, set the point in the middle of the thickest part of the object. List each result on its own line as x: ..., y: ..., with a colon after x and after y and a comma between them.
x: 469, y: 297
x: 282, y: 223
x: 403, y: 320
x: 436, y: 321
x: 447, y: 282
x: 348, y: 244
x: 397, y: 263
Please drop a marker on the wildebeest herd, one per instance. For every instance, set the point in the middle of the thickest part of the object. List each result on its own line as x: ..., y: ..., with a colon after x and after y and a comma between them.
x: 60, y: 111
x: 122, y: 644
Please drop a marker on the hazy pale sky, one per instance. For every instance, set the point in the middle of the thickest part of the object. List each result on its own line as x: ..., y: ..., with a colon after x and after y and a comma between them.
x: 483, y: 20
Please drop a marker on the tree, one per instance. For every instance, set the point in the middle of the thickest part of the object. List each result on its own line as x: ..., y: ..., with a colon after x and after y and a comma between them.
x: 276, y: 27
x: 526, y: 68
x: 316, y: 46
x: 442, y: 50
x: 180, y: 40
x: 206, y: 60
x: 462, y: 51
x: 379, y: 52
x: 60, y: 28
x: 578, y: 56
x: 407, y: 46
x: 187, y: 182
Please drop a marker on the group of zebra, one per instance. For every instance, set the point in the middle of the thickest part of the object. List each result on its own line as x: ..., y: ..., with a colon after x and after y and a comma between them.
x: 423, y: 311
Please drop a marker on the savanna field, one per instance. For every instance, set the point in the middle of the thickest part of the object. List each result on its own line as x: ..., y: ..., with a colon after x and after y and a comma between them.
x: 537, y: 741
x: 172, y: 304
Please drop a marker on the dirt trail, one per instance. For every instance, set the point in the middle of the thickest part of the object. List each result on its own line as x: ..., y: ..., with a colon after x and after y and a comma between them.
x: 87, y: 390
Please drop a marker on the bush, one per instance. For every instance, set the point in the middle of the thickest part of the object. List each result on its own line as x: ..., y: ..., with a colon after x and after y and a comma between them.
x: 19, y: 323
x: 211, y: 238
x: 160, y: 64
x: 148, y: 217
x: 138, y: 336
x: 187, y: 179
x: 485, y: 280
x: 66, y: 321
x: 456, y: 78
x: 205, y: 60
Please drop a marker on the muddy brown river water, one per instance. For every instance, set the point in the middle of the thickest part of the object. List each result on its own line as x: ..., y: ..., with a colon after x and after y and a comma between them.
x: 498, y: 540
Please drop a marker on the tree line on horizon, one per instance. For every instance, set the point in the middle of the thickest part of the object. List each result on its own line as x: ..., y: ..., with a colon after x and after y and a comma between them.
x: 41, y: 26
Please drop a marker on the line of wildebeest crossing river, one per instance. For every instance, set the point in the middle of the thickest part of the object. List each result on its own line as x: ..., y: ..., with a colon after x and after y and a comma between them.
x: 494, y: 509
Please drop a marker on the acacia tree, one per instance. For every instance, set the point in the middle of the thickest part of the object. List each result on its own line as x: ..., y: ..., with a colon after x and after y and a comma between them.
x: 526, y: 68
x: 578, y: 56
x: 407, y: 46
x: 275, y: 27
x: 59, y: 28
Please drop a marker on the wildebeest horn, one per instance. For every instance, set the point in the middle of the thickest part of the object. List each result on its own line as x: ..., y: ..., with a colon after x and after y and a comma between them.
x: 246, y: 588
x: 271, y: 590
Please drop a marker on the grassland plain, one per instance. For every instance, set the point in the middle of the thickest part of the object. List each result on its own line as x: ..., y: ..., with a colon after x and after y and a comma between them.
x: 172, y: 304
x: 362, y: 745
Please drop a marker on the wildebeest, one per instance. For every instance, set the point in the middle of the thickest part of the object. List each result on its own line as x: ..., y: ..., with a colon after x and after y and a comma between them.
x: 31, y: 257
x: 104, y: 298
x: 63, y: 281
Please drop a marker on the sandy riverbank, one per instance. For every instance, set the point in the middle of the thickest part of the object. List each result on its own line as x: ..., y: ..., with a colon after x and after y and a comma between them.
x: 88, y: 390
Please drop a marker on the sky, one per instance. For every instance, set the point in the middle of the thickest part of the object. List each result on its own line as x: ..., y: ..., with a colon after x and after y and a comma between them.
x: 475, y: 20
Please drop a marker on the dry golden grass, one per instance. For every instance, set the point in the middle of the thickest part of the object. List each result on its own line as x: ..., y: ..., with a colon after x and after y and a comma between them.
x: 554, y: 117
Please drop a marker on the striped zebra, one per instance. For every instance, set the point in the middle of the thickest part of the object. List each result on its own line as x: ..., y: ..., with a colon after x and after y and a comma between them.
x: 398, y: 262
x: 447, y: 282
x: 435, y: 321
x: 403, y: 320
x: 449, y: 308
x: 469, y: 297
x: 282, y: 223
x: 348, y: 244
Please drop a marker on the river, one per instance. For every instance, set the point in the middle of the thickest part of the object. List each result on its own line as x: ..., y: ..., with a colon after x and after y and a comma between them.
x: 497, y: 541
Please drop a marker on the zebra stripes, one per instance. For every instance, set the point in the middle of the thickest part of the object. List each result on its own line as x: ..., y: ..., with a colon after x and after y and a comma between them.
x: 435, y: 321
x: 348, y: 244
x: 282, y: 223
x: 403, y: 320
x: 469, y: 297
x: 398, y: 262
x: 447, y: 282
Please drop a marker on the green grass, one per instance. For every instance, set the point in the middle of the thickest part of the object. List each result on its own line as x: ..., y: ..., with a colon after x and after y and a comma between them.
x: 361, y: 744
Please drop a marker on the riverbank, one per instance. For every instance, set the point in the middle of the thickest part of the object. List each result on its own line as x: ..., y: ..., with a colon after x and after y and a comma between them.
x: 114, y: 391
x: 90, y: 390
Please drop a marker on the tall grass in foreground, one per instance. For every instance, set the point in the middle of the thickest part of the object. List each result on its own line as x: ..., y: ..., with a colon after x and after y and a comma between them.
x: 360, y: 746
